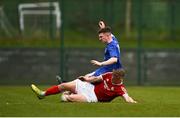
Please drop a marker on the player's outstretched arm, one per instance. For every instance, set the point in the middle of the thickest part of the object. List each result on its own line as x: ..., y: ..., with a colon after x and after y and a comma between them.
x: 110, y: 61
x: 91, y: 79
x: 128, y: 99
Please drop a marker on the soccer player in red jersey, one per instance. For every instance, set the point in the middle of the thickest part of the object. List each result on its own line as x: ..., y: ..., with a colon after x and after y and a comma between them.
x: 103, y: 88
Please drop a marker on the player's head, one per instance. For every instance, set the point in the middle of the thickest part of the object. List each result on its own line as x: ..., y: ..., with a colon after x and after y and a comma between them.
x: 105, y: 34
x: 118, y: 74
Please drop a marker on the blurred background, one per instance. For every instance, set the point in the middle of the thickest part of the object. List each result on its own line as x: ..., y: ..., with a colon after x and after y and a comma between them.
x: 40, y: 39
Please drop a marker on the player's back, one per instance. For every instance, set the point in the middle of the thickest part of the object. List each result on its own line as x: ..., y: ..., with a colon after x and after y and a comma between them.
x: 106, y: 91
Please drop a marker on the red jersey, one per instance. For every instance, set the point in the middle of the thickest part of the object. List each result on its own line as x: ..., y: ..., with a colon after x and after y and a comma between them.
x: 106, y: 90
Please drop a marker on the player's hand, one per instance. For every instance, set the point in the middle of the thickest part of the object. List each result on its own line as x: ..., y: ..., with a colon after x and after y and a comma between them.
x: 101, y: 24
x: 97, y: 63
x: 83, y: 78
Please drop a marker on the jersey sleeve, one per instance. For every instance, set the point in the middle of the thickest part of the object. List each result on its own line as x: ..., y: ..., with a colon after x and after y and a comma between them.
x: 122, y: 91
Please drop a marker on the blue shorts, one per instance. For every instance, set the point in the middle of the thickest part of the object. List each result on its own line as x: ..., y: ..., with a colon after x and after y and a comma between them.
x: 101, y: 71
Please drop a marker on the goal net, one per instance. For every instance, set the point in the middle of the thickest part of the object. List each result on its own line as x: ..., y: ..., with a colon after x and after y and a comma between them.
x: 40, y: 20
x: 6, y: 29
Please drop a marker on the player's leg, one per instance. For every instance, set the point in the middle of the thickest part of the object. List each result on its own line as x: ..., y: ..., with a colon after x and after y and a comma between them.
x: 69, y: 86
x: 89, y: 74
x: 59, y: 79
x: 74, y: 98
x: 37, y: 91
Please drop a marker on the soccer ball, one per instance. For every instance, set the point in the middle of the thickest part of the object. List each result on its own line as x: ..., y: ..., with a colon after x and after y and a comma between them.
x: 63, y: 97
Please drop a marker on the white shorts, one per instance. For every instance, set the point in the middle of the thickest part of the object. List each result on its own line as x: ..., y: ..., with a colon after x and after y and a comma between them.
x: 86, y: 89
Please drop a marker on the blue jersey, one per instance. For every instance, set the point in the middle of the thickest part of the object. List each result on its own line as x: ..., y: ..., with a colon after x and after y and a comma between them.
x: 112, y: 50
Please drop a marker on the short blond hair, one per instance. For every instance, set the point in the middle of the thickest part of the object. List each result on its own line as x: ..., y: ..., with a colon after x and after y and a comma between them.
x: 119, y: 73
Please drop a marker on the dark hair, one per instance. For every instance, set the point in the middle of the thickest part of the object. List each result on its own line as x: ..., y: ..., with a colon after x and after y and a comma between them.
x: 105, y: 30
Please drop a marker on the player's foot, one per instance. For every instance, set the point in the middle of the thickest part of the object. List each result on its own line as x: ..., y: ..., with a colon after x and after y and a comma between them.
x: 37, y: 91
x: 59, y: 79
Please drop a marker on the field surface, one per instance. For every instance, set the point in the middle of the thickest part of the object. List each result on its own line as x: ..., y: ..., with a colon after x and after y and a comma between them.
x: 153, y: 101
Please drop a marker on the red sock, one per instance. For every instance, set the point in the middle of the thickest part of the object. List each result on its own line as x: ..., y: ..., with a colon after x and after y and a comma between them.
x: 52, y: 90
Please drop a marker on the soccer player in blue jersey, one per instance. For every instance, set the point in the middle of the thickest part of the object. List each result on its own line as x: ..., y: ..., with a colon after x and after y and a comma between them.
x: 111, y: 54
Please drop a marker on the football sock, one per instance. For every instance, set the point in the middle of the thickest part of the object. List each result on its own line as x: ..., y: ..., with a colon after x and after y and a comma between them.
x: 52, y: 90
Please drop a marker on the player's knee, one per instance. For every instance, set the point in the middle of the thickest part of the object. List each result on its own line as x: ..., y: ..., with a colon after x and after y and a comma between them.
x: 70, y: 98
x: 62, y: 86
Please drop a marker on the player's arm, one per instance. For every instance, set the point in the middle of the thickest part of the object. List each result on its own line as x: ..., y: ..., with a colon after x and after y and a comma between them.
x: 91, y: 79
x: 110, y: 61
x: 128, y: 99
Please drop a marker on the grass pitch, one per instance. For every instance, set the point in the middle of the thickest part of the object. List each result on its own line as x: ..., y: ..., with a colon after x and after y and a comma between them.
x: 153, y: 101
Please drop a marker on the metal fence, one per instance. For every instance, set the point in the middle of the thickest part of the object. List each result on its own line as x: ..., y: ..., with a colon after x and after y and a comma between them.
x: 25, y: 66
x: 66, y: 20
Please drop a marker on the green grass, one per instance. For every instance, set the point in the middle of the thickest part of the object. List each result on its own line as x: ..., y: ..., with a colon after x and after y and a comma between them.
x: 153, y: 101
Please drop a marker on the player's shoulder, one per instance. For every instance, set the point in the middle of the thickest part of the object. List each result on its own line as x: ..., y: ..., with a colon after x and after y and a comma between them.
x: 113, y: 43
x: 107, y: 75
